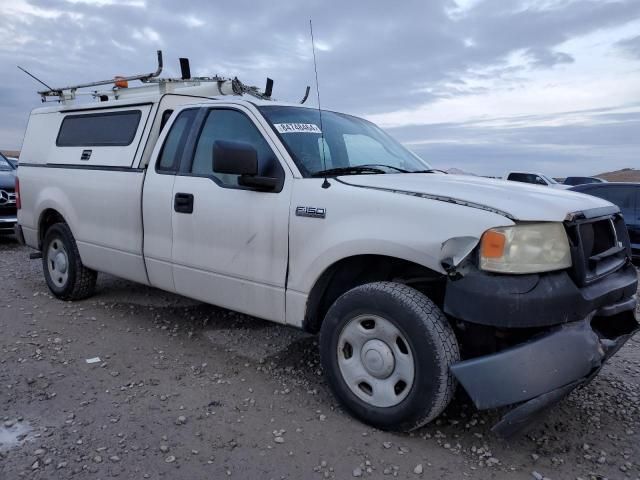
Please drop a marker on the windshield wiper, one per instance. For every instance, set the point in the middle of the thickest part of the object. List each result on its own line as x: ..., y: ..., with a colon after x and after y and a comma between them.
x: 354, y: 170
x: 401, y: 170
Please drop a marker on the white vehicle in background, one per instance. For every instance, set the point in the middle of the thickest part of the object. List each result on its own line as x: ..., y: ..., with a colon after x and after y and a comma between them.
x: 534, y: 178
x: 415, y: 281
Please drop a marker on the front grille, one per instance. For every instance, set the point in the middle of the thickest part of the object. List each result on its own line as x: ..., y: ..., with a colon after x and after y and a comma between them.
x: 7, y: 202
x: 597, y: 237
x: 599, y: 246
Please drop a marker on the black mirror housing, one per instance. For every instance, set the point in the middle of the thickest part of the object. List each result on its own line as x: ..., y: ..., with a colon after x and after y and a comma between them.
x: 235, y: 158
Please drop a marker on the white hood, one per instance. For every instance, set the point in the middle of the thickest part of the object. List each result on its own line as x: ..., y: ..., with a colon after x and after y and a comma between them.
x: 520, y: 201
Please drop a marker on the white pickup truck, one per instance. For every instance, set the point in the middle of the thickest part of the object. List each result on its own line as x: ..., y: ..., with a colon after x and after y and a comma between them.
x: 535, y: 179
x: 415, y: 280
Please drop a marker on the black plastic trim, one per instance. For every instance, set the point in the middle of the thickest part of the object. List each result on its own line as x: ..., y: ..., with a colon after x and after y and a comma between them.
x: 17, y: 231
x: 109, y: 168
x: 536, y: 300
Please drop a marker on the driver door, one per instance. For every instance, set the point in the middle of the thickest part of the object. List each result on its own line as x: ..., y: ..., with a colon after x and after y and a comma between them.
x: 230, y: 243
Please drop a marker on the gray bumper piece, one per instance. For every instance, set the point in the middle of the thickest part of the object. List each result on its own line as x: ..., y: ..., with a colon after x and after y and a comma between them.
x: 529, y: 370
x: 539, y: 373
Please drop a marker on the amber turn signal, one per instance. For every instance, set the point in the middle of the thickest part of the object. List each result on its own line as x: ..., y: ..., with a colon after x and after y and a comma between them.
x: 493, y: 244
x: 121, y: 82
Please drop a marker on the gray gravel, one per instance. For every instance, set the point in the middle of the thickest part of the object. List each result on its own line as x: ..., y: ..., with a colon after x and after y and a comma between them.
x: 187, y: 390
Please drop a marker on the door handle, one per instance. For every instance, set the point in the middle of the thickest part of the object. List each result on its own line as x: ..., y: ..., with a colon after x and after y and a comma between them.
x: 183, y: 203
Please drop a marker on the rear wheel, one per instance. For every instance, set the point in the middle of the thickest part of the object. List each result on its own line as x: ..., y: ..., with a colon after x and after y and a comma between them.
x: 386, y: 350
x: 66, y: 276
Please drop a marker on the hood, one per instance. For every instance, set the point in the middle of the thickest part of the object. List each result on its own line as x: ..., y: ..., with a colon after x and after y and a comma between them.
x: 7, y: 180
x: 515, y: 200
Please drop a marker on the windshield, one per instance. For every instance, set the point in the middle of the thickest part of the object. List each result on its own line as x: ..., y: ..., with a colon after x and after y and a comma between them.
x: 4, y: 164
x: 348, y: 142
x: 549, y: 179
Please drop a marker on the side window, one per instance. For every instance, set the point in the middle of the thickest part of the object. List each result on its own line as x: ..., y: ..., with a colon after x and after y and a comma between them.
x: 231, y: 125
x: 169, y: 158
x: 518, y: 177
x: 165, y: 118
x: 538, y: 180
x: 108, y: 129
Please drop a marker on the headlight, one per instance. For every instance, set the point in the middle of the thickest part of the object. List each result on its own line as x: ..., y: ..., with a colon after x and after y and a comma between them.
x: 525, y: 248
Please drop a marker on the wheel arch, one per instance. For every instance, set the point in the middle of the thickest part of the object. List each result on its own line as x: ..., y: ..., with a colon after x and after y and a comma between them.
x: 350, y: 272
x: 47, y: 218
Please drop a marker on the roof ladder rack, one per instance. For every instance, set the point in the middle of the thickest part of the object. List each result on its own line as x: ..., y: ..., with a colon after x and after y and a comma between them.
x: 60, y: 92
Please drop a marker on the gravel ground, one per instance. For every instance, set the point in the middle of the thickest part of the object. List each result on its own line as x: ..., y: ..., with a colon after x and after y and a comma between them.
x: 187, y: 390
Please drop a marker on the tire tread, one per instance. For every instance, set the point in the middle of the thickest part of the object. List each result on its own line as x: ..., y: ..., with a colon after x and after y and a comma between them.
x: 84, y: 278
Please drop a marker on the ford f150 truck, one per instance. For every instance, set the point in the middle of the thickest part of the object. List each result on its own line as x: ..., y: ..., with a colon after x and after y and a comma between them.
x: 415, y: 280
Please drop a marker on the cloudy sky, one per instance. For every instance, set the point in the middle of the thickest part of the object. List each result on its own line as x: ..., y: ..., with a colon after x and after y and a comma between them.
x: 481, y: 85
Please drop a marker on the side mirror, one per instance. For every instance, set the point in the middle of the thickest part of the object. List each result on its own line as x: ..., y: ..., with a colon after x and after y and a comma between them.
x: 239, y: 158
x: 235, y: 158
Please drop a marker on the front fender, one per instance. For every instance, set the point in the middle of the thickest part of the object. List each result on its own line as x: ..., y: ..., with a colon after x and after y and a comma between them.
x: 361, y: 221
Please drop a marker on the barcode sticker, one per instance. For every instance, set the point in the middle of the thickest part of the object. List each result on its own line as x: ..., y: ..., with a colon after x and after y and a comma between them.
x: 297, y: 128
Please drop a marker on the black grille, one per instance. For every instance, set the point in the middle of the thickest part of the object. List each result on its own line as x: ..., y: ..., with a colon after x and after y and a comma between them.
x: 599, y: 246
x: 7, y: 202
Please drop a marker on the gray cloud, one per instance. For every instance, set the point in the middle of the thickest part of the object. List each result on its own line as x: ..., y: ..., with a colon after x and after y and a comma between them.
x: 372, y: 58
x: 631, y: 45
x: 610, y: 144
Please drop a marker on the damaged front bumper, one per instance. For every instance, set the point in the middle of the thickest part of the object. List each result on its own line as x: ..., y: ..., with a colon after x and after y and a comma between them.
x: 542, y: 371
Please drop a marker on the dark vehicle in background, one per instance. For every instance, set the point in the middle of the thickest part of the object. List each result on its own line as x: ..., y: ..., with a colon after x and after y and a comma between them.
x: 583, y: 180
x: 8, y: 211
x: 627, y: 197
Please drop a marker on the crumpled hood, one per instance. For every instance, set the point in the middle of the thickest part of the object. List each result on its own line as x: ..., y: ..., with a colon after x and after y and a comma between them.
x: 520, y: 201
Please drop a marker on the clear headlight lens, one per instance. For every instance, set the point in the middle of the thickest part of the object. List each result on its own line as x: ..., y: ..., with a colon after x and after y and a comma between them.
x: 525, y: 248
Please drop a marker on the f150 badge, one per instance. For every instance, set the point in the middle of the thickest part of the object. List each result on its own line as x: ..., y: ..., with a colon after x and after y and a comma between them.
x: 313, y: 212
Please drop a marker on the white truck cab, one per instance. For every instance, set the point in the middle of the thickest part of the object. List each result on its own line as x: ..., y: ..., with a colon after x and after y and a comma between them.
x: 415, y: 280
x: 535, y: 179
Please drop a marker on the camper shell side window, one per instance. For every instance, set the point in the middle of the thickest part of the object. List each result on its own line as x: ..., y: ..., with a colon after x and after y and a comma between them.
x: 104, y: 129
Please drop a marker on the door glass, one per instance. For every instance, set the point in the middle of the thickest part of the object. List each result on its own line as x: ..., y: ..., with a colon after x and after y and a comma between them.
x: 169, y: 159
x: 231, y: 125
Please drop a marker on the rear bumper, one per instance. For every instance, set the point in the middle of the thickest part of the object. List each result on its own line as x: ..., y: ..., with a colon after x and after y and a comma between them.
x: 7, y: 223
x: 542, y: 371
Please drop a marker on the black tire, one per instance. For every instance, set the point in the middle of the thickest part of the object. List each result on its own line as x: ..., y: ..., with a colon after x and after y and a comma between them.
x: 79, y: 281
x: 431, y: 340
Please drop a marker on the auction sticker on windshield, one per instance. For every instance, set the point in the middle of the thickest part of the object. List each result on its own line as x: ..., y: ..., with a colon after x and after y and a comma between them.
x: 297, y: 128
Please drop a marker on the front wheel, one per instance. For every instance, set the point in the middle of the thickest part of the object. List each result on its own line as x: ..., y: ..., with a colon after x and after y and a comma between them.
x: 386, y: 350
x: 66, y: 276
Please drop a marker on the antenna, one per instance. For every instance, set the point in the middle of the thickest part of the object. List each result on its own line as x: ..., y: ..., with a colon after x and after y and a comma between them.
x: 34, y: 77
x: 326, y: 183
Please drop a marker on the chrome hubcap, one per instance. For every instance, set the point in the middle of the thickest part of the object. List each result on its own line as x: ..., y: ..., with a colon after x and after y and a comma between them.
x: 58, y: 263
x: 375, y: 360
